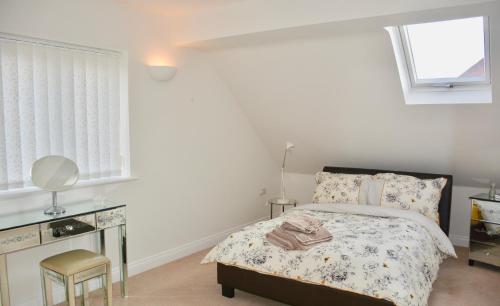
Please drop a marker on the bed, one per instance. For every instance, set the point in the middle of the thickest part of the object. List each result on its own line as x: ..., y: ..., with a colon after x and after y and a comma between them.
x: 295, y: 290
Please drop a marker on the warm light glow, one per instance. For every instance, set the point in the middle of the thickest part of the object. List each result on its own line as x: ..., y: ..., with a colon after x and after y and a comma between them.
x: 159, y: 59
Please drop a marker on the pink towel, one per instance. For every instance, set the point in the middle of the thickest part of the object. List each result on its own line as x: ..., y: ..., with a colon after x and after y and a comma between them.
x: 303, y: 223
x: 287, y: 244
x: 321, y: 235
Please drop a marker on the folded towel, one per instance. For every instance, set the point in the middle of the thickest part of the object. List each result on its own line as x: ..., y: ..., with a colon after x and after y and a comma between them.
x: 293, y: 240
x: 286, y: 244
x: 303, y: 223
x: 321, y: 235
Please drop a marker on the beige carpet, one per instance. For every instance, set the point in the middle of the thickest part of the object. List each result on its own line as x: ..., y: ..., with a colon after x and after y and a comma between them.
x: 186, y: 282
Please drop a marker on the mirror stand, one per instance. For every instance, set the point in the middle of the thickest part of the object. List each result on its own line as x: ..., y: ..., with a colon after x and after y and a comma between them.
x: 54, y: 210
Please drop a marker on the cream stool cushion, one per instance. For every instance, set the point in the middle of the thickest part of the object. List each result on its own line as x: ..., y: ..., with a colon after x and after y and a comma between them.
x: 75, y: 268
x: 75, y: 261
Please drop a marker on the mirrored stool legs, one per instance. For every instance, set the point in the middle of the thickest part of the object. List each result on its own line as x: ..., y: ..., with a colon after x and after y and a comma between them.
x: 75, y: 268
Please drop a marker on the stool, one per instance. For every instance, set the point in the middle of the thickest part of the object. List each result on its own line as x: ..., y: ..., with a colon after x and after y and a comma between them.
x: 75, y: 268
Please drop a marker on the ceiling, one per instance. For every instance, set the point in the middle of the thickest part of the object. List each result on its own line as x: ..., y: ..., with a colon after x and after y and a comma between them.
x: 175, y: 7
x: 260, y: 16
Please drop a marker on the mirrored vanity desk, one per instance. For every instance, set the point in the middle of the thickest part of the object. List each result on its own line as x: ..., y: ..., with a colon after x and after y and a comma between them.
x: 484, y: 242
x: 34, y: 228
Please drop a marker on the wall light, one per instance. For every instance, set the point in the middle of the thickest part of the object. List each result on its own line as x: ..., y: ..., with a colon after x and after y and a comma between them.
x: 162, y: 73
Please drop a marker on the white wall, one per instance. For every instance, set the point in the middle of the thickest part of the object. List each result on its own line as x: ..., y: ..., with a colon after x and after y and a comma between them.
x: 194, y: 148
x: 301, y: 187
x: 338, y: 97
x: 332, y: 88
x: 199, y: 162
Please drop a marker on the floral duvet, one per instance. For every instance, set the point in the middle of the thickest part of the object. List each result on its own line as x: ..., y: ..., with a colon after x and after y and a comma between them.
x: 380, y: 252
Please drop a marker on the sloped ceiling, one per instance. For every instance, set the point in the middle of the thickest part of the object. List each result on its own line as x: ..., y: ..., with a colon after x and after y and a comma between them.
x: 338, y: 97
x: 256, y: 16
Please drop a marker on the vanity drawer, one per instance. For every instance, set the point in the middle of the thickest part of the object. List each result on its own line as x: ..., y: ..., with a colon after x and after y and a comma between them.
x: 65, y: 228
x: 111, y: 218
x: 19, y: 238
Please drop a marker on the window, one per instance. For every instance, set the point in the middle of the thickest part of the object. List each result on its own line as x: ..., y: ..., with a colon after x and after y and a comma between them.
x: 61, y: 99
x: 444, y: 57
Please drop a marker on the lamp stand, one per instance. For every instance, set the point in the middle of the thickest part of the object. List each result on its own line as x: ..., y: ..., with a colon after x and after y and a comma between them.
x: 283, y: 199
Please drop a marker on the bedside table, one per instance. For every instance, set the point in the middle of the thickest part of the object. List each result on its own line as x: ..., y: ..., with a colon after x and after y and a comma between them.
x: 484, y: 240
x: 279, y: 201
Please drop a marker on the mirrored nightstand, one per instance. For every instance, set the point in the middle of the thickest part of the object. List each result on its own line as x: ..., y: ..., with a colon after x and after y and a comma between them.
x: 282, y: 203
x: 484, y: 240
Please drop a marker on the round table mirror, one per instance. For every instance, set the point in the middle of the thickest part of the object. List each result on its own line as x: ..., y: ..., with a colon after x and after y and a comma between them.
x: 54, y: 173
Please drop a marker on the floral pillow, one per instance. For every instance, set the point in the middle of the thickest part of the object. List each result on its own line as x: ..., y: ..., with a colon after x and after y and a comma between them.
x: 408, y: 192
x: 337, y: 188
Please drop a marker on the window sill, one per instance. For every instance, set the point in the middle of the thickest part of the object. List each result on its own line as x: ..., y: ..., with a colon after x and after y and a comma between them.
x: 21, y: 192
x: 452, y: 96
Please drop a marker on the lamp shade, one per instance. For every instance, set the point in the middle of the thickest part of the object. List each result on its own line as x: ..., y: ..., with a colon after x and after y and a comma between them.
x: 162, y: 73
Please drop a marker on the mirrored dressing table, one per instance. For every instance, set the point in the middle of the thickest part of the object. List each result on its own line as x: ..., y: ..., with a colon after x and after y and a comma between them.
x: 34, y: 228
x: 484, y: 241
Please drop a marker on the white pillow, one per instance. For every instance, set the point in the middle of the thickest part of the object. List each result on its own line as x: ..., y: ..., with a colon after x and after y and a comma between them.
x: 370, y: 192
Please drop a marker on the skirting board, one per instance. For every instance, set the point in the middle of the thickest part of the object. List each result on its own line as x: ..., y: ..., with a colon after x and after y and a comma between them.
x: 151, y: 262
x: 184, y: 250
x: 460, y: 240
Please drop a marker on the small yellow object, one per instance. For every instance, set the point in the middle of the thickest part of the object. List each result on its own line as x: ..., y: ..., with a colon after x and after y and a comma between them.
x: 475, y: 214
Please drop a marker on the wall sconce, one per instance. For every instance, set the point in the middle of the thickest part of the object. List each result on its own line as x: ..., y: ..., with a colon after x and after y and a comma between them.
x: 162, y: 73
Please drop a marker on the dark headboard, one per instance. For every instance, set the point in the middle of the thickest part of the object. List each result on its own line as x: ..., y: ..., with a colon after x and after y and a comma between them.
x: 444, y: 203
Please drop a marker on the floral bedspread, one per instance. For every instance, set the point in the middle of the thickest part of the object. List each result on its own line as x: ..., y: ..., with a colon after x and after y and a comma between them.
x: 389, y: 258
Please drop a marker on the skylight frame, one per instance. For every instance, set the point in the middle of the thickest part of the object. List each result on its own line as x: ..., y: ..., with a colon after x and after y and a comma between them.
x: 448, y: 83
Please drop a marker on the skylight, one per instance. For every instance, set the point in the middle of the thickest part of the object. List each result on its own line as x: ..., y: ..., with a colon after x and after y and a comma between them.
x: 450, y: 56
x: 448, y: 52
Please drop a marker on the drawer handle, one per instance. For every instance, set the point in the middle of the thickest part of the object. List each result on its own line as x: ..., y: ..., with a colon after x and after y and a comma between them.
x: 106, y: 219
x: 109, y: 218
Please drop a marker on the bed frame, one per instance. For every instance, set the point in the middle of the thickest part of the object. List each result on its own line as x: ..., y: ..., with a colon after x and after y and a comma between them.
x: 303, y: 294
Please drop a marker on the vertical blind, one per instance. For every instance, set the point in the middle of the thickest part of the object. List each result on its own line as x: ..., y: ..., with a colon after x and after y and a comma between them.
x: 58, y: 100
